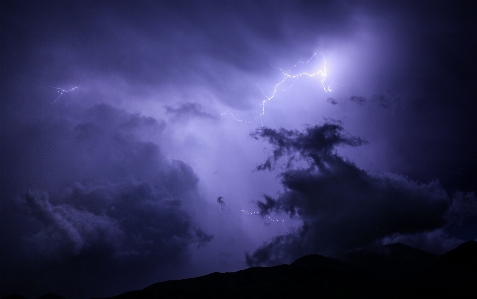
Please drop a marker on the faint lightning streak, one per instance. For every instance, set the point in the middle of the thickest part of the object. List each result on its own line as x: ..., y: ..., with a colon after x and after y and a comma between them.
x: 62, y: 91
x: 287, y: 75
x: 270, y: 218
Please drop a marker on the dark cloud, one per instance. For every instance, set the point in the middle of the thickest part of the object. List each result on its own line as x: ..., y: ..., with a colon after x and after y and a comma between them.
x: 460, y: 224
x: 385, y: 101
x: 185, y: 111
x: 221, y: 202
x: 342, y: 207
x: 358, y: 100
x: 316, y: 143
x: 437, y: 241
x: 381, y: 100
x: 84, y: 190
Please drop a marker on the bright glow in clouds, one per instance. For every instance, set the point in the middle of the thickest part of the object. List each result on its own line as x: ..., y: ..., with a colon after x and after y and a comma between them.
x: 288, y: 74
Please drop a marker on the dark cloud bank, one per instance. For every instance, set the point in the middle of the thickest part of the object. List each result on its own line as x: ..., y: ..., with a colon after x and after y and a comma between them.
x: 343, y: 207
x: 83, y: 191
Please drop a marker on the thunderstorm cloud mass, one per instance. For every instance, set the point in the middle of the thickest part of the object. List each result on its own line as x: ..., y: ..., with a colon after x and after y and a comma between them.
x: 144, y: 141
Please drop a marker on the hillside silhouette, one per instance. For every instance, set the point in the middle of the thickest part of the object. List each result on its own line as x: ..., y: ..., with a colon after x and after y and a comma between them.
x: 389, y: 271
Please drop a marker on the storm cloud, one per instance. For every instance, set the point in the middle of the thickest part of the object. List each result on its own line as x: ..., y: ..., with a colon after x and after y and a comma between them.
x: 341, y: 206
x: 123, y: 123
x: 93, y: 195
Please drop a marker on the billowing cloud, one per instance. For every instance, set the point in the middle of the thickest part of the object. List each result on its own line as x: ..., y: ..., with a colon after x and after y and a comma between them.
x: 90, y: 192
x: 342, y: 207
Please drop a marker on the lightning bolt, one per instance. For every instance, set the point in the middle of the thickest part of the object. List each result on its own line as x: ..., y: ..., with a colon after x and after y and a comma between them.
x: 62, y: 91
x: 287, y: 74
x: 270, y: 218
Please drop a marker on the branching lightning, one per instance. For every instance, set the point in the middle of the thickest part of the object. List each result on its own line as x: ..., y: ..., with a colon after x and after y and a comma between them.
x: 288, y: 74
x: 62, y: 91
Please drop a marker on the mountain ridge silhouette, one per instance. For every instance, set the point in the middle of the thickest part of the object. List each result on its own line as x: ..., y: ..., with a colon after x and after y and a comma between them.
x: 388, y: 271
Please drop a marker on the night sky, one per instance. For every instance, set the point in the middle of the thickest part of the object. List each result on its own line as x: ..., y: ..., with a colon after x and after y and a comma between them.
x: 144, y: 141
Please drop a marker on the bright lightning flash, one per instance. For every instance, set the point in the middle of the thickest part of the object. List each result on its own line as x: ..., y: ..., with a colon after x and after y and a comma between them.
x: 288, y: 75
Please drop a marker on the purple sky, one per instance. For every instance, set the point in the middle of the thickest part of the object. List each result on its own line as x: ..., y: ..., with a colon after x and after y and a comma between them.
x: 117, y: 136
